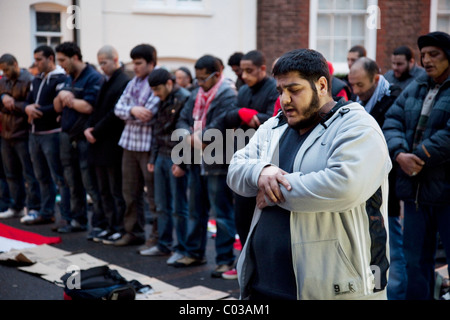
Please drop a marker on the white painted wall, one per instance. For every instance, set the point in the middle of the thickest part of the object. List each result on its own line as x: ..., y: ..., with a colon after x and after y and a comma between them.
x: 181, y: 36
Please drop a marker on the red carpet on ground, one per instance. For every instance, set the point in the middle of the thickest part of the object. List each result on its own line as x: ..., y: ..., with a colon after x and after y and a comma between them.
x: 13, y: 238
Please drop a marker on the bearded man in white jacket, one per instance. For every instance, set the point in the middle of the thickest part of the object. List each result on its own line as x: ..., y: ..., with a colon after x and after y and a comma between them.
x: 319, y: 170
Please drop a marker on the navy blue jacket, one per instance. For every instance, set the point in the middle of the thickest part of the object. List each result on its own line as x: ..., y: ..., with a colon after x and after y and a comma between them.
x: 432, y: 185
x: 86, y: 87
x: 42, y: 92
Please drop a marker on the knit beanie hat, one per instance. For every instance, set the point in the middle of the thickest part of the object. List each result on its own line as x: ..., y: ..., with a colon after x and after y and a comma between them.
x: 436, y: 39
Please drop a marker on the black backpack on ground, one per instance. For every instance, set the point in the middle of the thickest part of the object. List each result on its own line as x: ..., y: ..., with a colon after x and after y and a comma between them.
x: 100, y: 283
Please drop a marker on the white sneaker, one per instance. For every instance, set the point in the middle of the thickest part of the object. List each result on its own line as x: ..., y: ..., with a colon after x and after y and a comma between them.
x: 11, y: 213
x: 30, y: 216
x: 153, y: 251
x: 175, y: 256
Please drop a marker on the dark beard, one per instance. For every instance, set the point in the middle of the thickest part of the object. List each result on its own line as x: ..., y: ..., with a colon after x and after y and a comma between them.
x: 313, y: 117
x: 405, y: 75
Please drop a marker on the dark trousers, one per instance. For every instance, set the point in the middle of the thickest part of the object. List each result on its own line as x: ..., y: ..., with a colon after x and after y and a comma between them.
x: 421, y: 227
x: 80, y: 178
x: 22, y: 183
x: 109, y: 180
x: 243, y: 215
x: 135, y: 177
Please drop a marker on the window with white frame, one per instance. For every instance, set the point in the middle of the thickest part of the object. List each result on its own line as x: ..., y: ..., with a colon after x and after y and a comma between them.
x: 48, y: 25
x: 338, y: 25
x: 440, y: 15
x: 48, y: 28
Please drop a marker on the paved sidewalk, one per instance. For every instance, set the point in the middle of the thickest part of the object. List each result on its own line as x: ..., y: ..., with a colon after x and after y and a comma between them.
x: 19, y: 285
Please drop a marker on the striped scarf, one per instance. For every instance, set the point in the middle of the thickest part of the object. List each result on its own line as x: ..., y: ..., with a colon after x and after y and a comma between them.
x: 381, y: 90
x: 424, y: 115
x: 202, y: 103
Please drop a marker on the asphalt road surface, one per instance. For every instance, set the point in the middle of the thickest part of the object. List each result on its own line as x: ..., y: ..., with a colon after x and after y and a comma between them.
x: 20, y: 285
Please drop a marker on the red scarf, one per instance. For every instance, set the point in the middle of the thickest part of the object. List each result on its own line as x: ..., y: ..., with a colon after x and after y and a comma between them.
x: 202, y: 103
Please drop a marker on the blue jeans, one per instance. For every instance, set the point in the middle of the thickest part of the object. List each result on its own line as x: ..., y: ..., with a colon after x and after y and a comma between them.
x: 396, y: 287
x: 421, y: 227
x: 220, y: 201
x: 44, y: 150
x: 171, y: 202
x: 80, y: 178
x: 18, y: 167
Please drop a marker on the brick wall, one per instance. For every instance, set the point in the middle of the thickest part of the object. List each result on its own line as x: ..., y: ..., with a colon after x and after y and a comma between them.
x: 283, y: 25
x: 402, y: 22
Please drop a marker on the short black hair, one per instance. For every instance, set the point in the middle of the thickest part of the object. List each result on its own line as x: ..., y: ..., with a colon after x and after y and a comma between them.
x: 360, y: 49
x: 208, y: 62
x: 255, y: 56
x: 404, y: 50
x: 47, y: 51
x: 8, y: 59
x: 69, y: 49
x: 235, y: 59
x: 309, y: 64
x: 159, y: 76
x: 146, y: 52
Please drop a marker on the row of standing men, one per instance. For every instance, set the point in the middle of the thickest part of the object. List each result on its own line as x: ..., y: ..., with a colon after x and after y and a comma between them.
x: 116, y: 142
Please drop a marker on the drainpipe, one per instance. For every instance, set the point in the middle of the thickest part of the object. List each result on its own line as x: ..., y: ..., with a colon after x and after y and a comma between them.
x: 76, y: 34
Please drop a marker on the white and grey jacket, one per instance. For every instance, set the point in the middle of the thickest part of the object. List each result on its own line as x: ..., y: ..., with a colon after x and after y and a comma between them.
x: 338, y: 204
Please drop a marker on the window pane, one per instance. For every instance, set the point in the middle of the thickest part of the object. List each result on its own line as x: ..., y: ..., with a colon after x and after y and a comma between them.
x: 340, y: 51
x: 343, y: 4
x: 55, y: 41
x: 41, y: 41
x: 324, y: 25
x: 323, y: 46
x: 358, y: 26
x: 341, y: 25
x: 48, y: 21
x: 443, y: 24
x: 444, y: 5
x: 360, y: 4
x: 326, y: 4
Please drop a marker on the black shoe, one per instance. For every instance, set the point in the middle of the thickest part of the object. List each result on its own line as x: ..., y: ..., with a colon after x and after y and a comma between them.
x: 103, y: 235
x: 94, y: 233
x: 111, y: 239
x: 73, y: 226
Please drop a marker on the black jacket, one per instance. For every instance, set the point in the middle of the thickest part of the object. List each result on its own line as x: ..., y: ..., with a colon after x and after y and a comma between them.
x: 42, y: 92
x: 381, y: 107
x: 223, y: 103
x: 164, y: 123
x: 261, y: 97
x: 432, y: 185
x: 337, y: 85
x: 107, y: 127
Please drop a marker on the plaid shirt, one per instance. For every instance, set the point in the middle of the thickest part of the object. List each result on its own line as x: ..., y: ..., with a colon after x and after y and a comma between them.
x: 137, y: 135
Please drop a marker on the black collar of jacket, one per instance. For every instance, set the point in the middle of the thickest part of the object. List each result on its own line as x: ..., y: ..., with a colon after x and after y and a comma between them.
x: 258, y: 85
